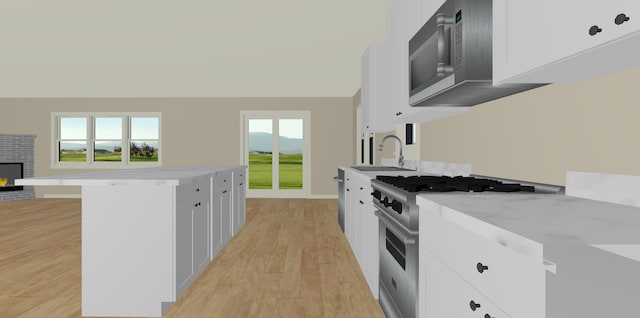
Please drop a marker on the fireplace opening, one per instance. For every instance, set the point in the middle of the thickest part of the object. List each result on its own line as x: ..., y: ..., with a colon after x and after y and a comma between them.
x: 9, y: 172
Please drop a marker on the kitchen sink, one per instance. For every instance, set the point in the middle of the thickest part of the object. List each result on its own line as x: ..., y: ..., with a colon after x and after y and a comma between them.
x: 380, y: 168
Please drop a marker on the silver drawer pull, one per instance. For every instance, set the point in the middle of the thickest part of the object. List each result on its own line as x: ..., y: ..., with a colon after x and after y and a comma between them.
x: 481, y: 268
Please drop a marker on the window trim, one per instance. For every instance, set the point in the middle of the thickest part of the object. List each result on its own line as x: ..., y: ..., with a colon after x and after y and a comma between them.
x: 126, y: 137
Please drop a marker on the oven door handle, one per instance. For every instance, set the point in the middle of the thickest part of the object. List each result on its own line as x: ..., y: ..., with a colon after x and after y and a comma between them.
x: 401, y: 231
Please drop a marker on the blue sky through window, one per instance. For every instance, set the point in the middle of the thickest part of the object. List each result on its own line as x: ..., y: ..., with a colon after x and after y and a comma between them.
x: 73, y: 128
x: 144, y: 128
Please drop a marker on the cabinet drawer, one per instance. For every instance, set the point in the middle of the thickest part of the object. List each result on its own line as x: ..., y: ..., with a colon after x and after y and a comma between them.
x: 447, y: 295
x: 222, y: 181
x: 192, y: 192
x: 513, y: 281
x: 239, y: 177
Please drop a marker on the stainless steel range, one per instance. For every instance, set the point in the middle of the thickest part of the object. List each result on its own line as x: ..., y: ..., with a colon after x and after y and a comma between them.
x: 395, y: 200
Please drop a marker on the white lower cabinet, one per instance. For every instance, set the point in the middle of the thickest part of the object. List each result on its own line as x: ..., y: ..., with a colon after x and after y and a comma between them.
x: 361, y: 226
x: 239, y: 190
x: 184, y: 248
x: 448, y: 295
x: 221, y: 211
x: 192, y: 231
x: 515, y: 283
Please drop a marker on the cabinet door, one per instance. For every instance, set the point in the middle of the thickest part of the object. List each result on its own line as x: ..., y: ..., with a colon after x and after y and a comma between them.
x: 371, y: 248
x: 559, y: 34
x: 201, y: 226
x: 216, y: 222
x: 225, y: 220
x: 184, y: 247
x: 375, y: 107
x: 348, y: 204
x: 239, y: 206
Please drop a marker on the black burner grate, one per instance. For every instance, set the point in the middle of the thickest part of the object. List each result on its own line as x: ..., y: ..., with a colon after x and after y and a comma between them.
x: 449, y: 184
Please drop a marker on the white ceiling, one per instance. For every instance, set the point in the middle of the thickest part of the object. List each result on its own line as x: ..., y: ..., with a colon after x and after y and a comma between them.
x: 186, y: 48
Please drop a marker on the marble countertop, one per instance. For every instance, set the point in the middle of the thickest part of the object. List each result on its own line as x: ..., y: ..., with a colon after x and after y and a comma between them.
x: 167, y: 175
x: 373, y: 174
x: 546, y: 219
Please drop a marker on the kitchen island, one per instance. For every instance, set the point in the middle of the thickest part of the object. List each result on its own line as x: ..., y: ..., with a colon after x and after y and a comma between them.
x: 148, y: 233
x: 528, y: 255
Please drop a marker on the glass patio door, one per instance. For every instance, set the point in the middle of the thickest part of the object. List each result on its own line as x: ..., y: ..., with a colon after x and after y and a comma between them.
x: 276, y: 152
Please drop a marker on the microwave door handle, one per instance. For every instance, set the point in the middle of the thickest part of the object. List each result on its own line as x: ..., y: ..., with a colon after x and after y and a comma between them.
x: 442, y: 68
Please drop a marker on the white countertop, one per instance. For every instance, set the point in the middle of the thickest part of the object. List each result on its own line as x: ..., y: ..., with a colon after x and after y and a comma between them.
x: 167, y: 175
x: 373, y: 174
x: 547, y: 219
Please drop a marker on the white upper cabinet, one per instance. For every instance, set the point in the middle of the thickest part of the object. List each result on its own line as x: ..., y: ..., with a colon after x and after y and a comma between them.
x: 375, y: 109
x: 404, y: 19
x: 563, y: 41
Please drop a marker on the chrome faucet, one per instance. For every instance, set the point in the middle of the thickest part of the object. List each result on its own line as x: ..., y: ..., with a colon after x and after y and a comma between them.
x: 401, y: 159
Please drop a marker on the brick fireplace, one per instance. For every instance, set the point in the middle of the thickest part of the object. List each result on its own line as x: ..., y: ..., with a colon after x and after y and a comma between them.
x: 17, y: 152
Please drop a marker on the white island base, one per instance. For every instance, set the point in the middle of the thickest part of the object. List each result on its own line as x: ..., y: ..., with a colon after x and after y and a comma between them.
x: 146, y: 239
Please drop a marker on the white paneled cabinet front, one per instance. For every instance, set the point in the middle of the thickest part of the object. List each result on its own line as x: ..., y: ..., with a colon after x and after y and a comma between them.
x: 375, y: 107
x: 221, y: 211
x: 239, y: 190
x: 563, y: 41
x: 192, y: 231
x: 361, y: 226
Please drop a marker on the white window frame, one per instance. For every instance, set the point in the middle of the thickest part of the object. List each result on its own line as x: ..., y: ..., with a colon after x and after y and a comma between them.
x: 306, y: 153
x: 126, y: 137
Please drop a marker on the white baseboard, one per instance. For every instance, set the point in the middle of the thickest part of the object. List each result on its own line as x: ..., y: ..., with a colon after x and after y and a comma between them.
x: 61, y: 196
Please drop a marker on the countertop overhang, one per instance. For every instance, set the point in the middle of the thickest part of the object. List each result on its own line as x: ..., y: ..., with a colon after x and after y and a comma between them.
x: 161, y: 176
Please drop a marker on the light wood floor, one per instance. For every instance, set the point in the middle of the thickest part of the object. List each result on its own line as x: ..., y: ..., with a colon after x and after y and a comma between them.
x: 289, y: 260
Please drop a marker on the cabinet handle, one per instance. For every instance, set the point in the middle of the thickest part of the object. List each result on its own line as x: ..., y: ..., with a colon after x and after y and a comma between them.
x: 481, y: 268
x: 224, y: 180
x: 241, y: 183
x: 348, y: 189
x: 594, y: 30
x: 621, y: 18
x: 225, y: 191
x: 361, y: 188
x: 361, y: 202
x: 198, y: 190
x: 474, y: 305
x: 197, y: 204
x: 487, y: 316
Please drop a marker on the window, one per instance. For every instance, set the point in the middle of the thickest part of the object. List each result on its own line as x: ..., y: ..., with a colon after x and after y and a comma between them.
x: 84, y: 140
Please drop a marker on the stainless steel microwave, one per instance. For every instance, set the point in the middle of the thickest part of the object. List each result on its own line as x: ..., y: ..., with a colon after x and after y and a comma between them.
x: 450, y: 58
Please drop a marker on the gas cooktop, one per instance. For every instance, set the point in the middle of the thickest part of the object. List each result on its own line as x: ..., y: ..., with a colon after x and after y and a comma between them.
x: 449, y: 184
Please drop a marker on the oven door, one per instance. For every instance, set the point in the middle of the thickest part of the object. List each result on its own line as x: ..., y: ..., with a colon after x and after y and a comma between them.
x: 398, y: 268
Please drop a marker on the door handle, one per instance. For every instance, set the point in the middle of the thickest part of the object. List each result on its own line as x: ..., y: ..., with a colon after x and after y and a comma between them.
x: 443, y: 69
